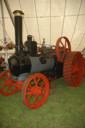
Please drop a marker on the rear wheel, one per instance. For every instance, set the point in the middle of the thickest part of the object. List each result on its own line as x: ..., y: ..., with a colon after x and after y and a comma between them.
x: 73, y: 70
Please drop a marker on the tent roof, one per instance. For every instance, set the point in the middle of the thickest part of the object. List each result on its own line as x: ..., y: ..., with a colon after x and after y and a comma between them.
x: 49, y: 19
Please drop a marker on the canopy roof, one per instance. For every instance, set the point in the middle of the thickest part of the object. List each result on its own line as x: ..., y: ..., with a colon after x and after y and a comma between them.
x: 49, y: 19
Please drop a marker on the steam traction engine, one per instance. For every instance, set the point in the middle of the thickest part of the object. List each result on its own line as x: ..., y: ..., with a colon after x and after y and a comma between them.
x: 31, y: 72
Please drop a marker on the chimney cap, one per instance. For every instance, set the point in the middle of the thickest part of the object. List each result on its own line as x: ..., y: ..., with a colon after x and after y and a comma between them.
x: 18, y: 13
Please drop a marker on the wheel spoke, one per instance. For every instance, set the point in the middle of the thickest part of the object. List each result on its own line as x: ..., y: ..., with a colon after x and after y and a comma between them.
x: 42, y: 84
x: 28, y: 93
x: 3, y: 87
x: 10, y: 75
x: 38, y: 80
x: 3, y: 79
x: 11, y: 89
x: 13, y: 84
x: 42, y: 94
x: 29, y: 85
x: 63, y: 55
x: 35, y: 81
x: 73, y: 78
x: 35, y: 100
x: 29, y: 97
x: 7, y: 75
x: 2, y: 83
x: 75, y: 69
x: 61, y: 50
x: 62, y: 44
x: 74, y: 62
x: 8, y: 89
x: 43, y: 88
x: 28, y: 89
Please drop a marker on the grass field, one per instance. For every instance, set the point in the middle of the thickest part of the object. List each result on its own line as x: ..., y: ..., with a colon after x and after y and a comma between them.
x: 63, y: 109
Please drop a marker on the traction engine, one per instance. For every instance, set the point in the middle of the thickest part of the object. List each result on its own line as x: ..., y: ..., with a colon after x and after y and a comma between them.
x: 31, y: 70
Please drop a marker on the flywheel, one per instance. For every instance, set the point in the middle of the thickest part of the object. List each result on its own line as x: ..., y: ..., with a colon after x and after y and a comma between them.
x: 63, y: 47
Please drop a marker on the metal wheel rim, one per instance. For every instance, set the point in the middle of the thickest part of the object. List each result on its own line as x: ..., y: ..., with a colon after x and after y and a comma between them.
x: 58, y: 51
x: 73, y: 70
x: 6, y: 86
x: 36, y: 102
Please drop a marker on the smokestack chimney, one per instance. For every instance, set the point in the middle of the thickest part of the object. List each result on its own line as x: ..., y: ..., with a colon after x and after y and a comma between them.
x: 18, y: 30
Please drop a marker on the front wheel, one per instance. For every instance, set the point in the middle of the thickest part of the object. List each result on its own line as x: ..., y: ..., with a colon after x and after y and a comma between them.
x: 35, y: 91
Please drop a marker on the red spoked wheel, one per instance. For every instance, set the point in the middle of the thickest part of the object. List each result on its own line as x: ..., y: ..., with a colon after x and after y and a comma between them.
x: 73, y: 70
x: 6, y: 84
x: 35, y: 91
x: 63, y: 47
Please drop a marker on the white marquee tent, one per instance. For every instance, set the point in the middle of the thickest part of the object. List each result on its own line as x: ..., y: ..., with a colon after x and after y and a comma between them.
x: 49, y: 19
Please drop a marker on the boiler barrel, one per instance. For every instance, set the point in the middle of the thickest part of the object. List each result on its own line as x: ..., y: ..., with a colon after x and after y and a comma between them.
x: 27, y: 64
x: 41, y: 64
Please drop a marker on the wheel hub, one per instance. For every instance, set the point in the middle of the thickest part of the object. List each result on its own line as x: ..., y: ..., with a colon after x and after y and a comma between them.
x: 36, y: 90
x: 9, y: 82
x: 75, y: 69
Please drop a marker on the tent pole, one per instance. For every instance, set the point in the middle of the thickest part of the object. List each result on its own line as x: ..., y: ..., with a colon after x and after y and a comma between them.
x: 4, y: 34
x: 9, y: 11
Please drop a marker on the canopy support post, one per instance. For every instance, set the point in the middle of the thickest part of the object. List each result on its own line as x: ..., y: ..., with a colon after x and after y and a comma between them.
x: 4, y: 34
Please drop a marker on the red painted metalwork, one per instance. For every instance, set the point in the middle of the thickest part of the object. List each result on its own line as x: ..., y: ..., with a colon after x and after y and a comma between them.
x: 35, y: 91
x: 2, y: 59
x: 18, y: 84
x: 73, y: 69
x: 51, y: 79
x: 7, y: 85
x: 62, y: 47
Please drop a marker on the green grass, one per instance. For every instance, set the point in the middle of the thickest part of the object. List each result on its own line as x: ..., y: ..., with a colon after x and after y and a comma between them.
x: 63, y: 109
